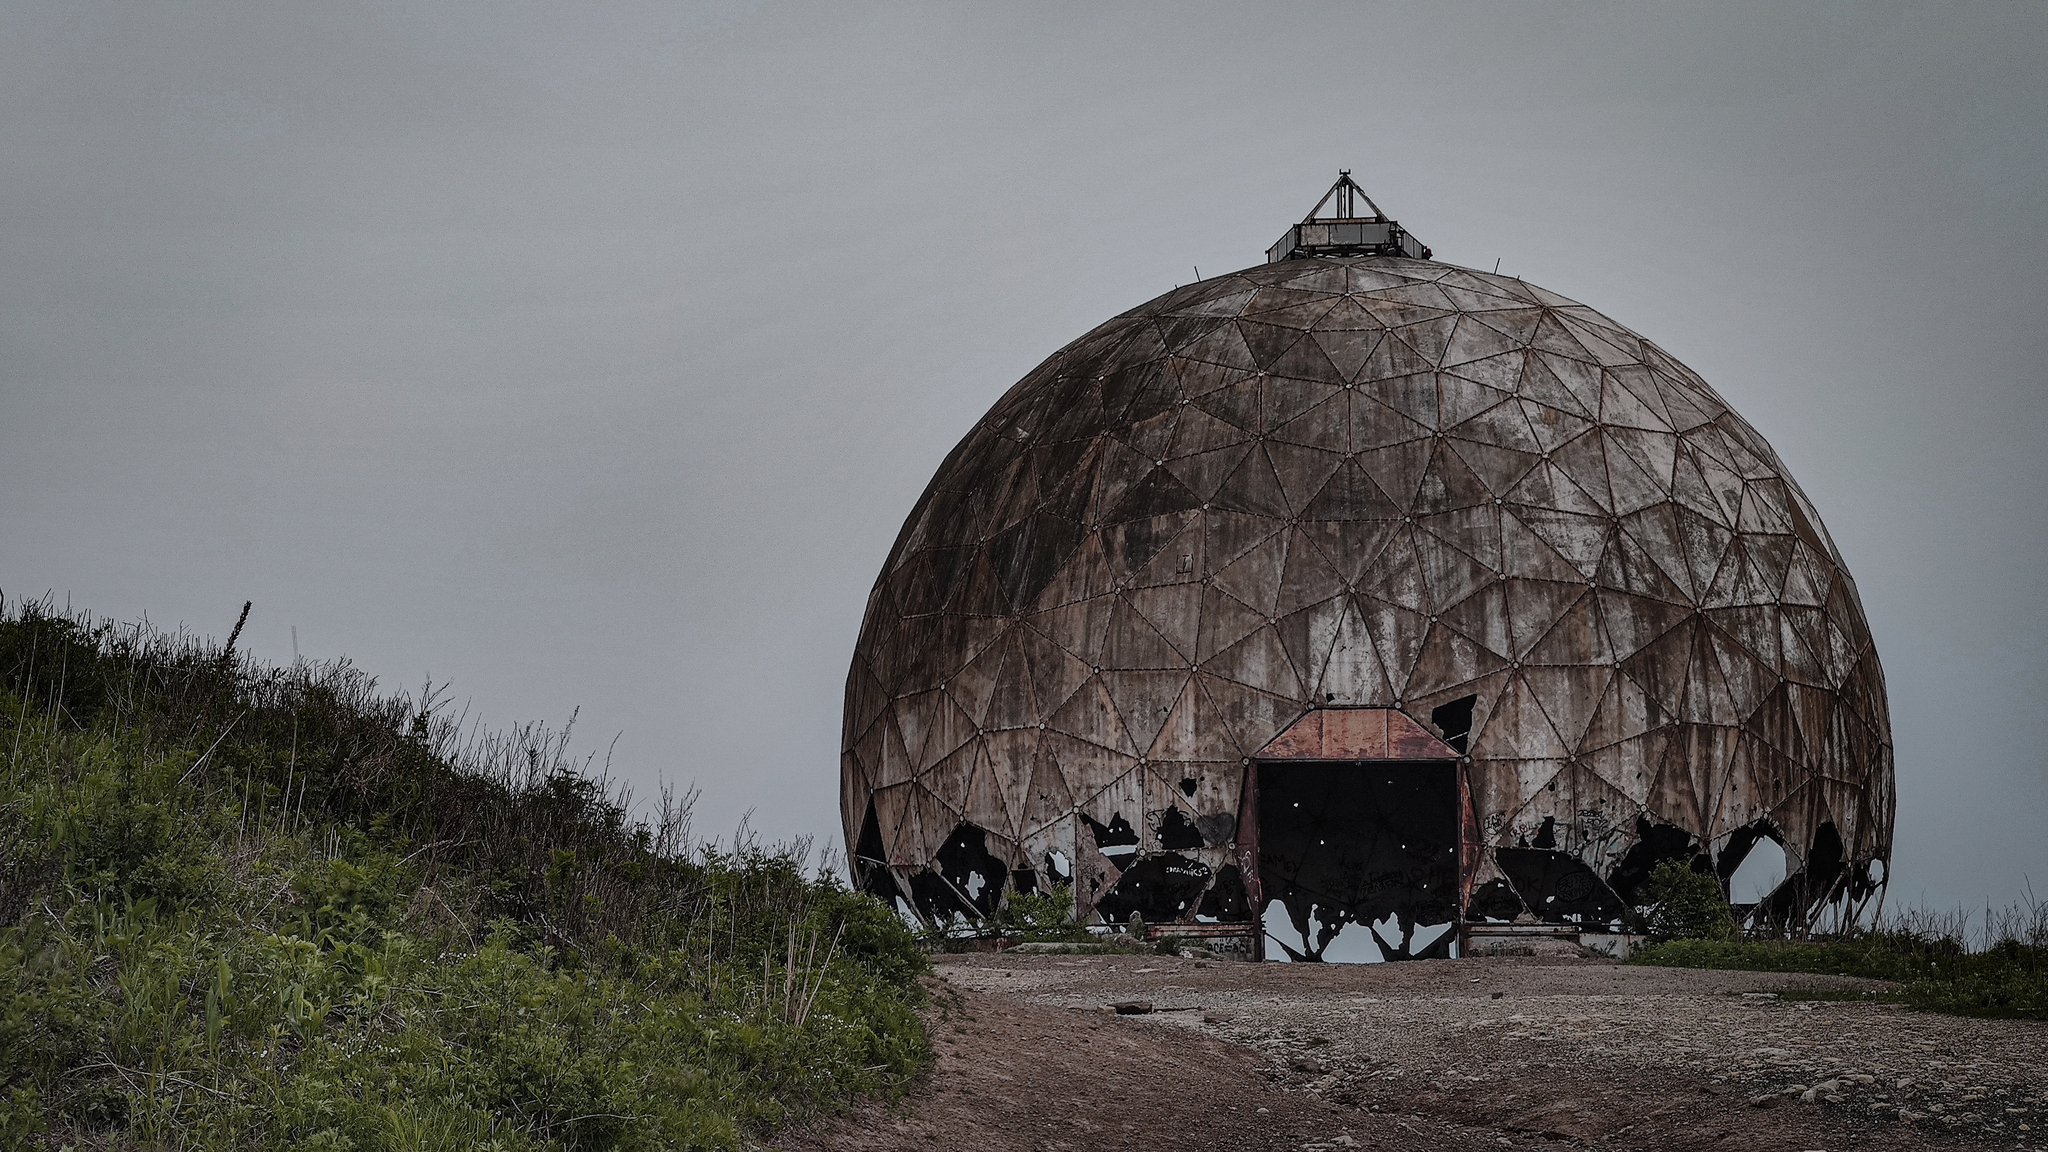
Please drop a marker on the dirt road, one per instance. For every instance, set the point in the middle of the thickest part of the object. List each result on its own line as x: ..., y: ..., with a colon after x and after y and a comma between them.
x: 1442, y: 1055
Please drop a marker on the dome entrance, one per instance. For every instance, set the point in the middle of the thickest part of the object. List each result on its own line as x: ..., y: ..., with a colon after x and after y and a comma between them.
x: 1353, y: 819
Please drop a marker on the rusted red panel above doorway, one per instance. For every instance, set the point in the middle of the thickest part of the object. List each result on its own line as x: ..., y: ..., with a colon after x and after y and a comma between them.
x: 1356, y: 734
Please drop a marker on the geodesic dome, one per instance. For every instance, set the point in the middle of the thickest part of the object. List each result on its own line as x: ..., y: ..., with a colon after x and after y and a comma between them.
x: 1362, y: 491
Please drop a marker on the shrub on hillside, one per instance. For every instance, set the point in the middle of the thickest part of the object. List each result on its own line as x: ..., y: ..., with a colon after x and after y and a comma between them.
x: 1678, y: 903
x: 1042, y: 916
x: 249, y: 907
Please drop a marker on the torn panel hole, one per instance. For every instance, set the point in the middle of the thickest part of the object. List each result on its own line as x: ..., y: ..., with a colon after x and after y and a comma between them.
x: 870, y: 861
x: 1801, y: 895
x: 974, y: 873
x: 1454, y: 720
x: 936, y: 901
x: 1059, y: 869
x: 1176, y: 832
x: 1188, y: 785
x: 1655, y: 843
x: 1557, y: 886
x: 1865, y: 879
x: 1116, y: 840
x: 1160, y: 888
x: 1023, y: 881
x: 1226, y: 900
x: 1494, y: 900
x: 1762, y: 869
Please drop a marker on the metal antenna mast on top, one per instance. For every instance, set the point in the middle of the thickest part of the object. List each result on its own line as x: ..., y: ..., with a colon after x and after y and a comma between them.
x: 1348, y: 193
x: 1349, y: 232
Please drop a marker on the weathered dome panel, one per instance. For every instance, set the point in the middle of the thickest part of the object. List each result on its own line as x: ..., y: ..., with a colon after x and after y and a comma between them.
x: 1366, y: 482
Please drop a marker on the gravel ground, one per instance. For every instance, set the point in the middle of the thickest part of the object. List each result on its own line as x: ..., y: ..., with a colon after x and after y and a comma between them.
x: 1484, y: 1053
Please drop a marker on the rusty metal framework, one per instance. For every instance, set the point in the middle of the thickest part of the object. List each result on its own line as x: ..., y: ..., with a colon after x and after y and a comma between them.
x: 1595, y: 621
x: 1346, y: 232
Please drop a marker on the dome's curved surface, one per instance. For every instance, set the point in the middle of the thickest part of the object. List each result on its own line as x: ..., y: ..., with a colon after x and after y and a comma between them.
x: 1361, y: 483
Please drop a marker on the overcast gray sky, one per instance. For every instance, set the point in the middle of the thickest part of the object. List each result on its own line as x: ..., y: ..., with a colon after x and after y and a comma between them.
x: 591, y: 355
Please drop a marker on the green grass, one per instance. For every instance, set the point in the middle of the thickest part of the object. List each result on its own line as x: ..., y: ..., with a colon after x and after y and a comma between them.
x: 1838, y: 994
x: 250, y: 907
x: 2009, y: 979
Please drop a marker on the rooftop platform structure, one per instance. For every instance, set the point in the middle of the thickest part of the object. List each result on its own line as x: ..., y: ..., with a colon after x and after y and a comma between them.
x: 1346, y: 233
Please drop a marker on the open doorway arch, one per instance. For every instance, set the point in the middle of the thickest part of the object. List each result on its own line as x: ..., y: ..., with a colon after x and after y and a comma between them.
x: 1357, y: 816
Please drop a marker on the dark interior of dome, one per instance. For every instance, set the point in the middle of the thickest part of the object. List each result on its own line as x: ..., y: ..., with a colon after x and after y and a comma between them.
x: 968, y: 880
x: 870, y: 859
x: 1556, y: 885
x: 1158, y: 888
x: 1116, y: 839
x: 1356, y: 842
x: 1454, y: 720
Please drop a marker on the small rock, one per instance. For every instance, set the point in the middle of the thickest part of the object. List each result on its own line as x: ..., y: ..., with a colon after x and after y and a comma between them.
x: 1343, y: 1140
x: 1306, y: 1064
x: 1767, y: 1100
x: 1132, y: 1007
x: 1215, y: 1017
x: 1498, y: 995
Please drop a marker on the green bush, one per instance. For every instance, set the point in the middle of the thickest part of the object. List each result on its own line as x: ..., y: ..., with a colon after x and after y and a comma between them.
x: 1042, y: 917
x: 244, y: 907
x: 1678, y: 903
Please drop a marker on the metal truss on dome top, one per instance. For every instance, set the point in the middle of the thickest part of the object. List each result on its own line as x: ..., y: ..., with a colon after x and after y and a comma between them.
x: 1346, y: 233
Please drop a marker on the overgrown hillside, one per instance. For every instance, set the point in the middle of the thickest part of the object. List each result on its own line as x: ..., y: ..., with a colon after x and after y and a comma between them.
x: 251, y: 907
x: 1689, y: 925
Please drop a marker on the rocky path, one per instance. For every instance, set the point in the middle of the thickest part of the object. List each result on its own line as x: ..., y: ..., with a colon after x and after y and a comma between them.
x: 1469, y: 1054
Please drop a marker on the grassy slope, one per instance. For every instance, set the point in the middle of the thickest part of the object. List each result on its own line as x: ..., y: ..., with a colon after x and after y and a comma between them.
x: 2009, y: 979
x: 245, y: 907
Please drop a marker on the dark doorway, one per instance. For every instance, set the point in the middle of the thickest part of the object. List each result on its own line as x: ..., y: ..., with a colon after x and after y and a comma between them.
x: 1355, y: 842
